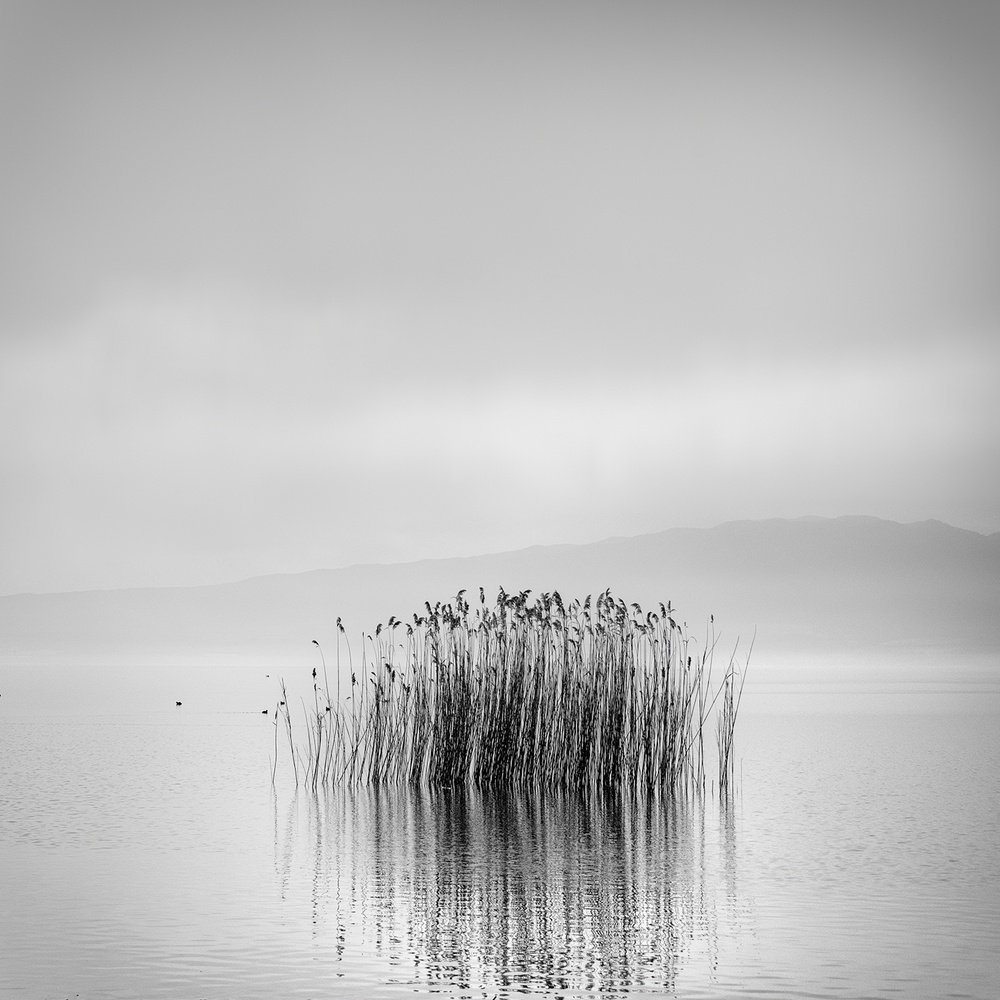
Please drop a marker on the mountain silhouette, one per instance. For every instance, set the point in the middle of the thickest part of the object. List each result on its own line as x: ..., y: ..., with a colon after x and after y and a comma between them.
x: 849, y: 587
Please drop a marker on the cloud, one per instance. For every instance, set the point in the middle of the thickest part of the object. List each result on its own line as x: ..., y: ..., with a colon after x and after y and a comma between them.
x: 289, y: 285
x: 213, y: 435
x: 678, y: 167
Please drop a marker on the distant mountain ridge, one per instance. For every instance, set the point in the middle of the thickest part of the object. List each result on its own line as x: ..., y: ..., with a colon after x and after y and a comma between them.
x: 852, y: 586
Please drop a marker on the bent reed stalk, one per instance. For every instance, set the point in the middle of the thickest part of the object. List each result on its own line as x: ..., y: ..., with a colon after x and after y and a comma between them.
x: 595, y: 695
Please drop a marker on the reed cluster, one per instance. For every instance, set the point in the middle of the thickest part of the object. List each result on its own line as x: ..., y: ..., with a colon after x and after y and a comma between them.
x: 591, y: 695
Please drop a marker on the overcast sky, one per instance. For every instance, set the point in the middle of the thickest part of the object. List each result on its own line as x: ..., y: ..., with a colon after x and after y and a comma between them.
x: 290, y: 285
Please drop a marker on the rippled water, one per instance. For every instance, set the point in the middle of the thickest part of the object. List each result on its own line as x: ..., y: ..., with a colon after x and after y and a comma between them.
x: 148, y: 855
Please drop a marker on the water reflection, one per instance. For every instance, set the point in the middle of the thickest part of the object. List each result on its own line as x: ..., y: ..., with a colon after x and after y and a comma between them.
x: 512, y: 892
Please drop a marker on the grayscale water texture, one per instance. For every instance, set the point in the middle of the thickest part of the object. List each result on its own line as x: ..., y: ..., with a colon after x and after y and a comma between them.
x: 147, y: 854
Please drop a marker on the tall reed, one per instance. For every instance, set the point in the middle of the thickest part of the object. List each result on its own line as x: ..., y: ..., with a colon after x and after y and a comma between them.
x: 591, y: 695
x: 732, y: 694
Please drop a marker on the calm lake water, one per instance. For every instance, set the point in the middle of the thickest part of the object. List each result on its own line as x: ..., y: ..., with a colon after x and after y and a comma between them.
x: 144, y: 854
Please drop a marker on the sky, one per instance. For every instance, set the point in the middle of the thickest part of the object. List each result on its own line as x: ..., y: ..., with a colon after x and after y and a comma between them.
x: 290, y: 285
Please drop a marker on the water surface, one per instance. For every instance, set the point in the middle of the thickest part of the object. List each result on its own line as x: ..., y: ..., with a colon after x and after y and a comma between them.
x: 146, y: 854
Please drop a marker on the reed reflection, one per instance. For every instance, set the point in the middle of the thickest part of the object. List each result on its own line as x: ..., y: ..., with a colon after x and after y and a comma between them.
x: 511, y: 891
